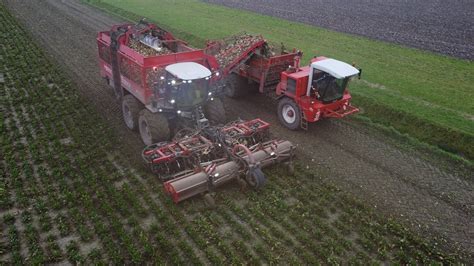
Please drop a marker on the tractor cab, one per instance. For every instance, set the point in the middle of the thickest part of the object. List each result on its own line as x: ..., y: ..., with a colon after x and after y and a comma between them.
x: 185, y: 85
x: 310, y: 93
x: 328, y: 79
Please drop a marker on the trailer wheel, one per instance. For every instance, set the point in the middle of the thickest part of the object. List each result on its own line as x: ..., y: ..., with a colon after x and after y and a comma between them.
x: 130, y: 110
x: 235, y: 86
x: 153, y: 127
x: 289, y: 113
x: 215, y: 112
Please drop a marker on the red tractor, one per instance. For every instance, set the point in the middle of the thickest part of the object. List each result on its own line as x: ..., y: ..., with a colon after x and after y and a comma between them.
x: 306, y: 94
x: 161, y: 81
x: 317, y: 91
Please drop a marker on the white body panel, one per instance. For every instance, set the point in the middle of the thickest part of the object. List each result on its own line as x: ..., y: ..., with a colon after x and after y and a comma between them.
x: 188, y: 71
x: 335, y: 68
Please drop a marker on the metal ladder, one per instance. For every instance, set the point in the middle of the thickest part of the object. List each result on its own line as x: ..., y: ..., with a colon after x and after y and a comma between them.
x: 304, y: 122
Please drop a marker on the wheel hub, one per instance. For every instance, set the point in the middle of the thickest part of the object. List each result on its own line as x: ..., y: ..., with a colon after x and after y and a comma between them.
x: 288, y: 114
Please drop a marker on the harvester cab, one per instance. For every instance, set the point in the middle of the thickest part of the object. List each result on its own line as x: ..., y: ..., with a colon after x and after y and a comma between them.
x: 187, y: 84
x: 182, y: 87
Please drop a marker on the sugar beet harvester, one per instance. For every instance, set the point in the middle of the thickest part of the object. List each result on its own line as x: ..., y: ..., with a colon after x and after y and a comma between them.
x: 161, y: 81
x: 167, y: 87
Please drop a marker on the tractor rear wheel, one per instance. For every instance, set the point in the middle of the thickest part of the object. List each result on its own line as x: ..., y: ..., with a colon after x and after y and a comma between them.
x: 154, y: 127
x: 215, y: 112
x: 289, y: 113
x: 131, y: 110
x: 235, y: 86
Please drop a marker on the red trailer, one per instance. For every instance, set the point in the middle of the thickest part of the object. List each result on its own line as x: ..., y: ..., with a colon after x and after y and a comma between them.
x: 159, y: 79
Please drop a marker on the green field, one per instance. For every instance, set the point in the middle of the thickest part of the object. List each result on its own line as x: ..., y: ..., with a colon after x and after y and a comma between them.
x: 68, y: 192
x: 428, y: 96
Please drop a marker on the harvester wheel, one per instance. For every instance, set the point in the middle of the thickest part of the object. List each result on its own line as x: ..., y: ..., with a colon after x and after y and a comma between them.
x: 215, y: 112
x: 153, y: 127
x: 130, y: 110
x: 289, y: 113
x: 235, y: 86
x: 256, y: 178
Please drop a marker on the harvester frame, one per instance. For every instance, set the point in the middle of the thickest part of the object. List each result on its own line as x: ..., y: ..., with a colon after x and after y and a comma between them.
x: 149, y: 85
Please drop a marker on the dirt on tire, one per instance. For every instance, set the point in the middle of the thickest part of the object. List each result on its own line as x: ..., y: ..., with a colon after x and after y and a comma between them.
x: 133, y: 106
x: 157, y: 126
x: 428, y: 195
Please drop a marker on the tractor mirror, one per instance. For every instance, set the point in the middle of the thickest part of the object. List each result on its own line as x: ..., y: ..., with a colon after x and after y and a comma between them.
x: 360, y: 73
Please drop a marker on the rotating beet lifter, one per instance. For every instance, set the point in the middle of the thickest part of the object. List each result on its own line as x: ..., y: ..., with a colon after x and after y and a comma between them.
x: 168, y: 88
x: 199, y: 161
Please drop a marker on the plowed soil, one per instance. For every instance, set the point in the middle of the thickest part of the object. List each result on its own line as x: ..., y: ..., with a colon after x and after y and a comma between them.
x: 444, y: 27
x: 428, y: 195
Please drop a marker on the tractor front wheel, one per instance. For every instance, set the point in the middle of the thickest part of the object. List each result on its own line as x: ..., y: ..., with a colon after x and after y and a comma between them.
x: 154, y: 127
x: 289, y: 113
x: 131, y: 110
x: 215, y: 112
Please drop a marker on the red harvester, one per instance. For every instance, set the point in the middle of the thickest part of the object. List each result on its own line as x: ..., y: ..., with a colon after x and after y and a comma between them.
x: 160, y: 80
x: 165, y: 85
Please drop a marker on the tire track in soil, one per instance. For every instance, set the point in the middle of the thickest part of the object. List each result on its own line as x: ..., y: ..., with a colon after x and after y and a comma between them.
x: 398, y: 183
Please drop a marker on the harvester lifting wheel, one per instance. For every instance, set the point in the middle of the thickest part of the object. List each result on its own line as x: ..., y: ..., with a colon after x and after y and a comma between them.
x: 289, y: 113
x: 153, y: 127
x: 256, y: 178
x: 130, y: 110
x: 215, y: 112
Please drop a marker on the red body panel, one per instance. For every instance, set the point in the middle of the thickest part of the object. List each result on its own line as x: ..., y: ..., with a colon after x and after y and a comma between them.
x: 266, y: 70
x: 135, y: 69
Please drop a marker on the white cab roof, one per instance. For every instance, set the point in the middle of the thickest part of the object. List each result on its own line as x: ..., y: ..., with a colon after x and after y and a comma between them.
x: 335, y: 68
x: 188, y: 70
